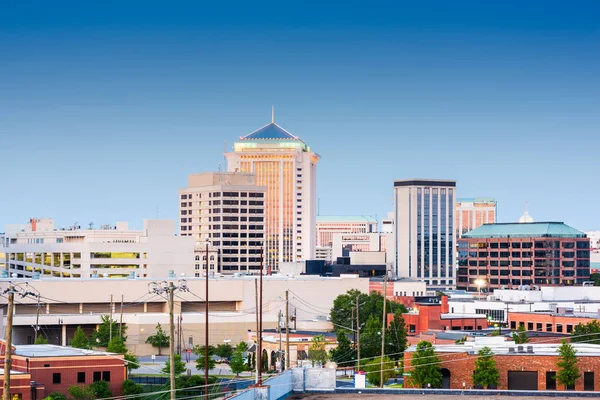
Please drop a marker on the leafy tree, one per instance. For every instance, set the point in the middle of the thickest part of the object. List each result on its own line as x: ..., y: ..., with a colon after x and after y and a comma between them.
x: 370, y: 338
x: 316, y: 352
x: 101, y: 389
x: 237, y: 362
x: 101, y: 336
x: 344, y: 353
x: 265, y: 361
x: 595, y: 278
x: 568, y: 372
x: 179, y: 365
x: 116, y: 345
x: 80, y: 340
x: 160, y: 339
x: 201, y: 360
x: 242, y: 346
x: 41, y: 340
x: 395, y: 337
x: 81, y: 392
x: 56, y: 396
x: 130, y: 387
x: 224, y: 350
x: 254, y: 360
x: 520, y: 337
x: 485, y: 373
x: 425, y: 366
x: 373, y: 369
x: 588, y: 333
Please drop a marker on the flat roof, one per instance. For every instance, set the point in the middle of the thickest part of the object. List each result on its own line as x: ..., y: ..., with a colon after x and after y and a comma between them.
x: 524, y: 230
x: 476, y: 200
x: 51, y: 350
x: 538, y: 349
x: 346, y: 218
x: 425, y: 182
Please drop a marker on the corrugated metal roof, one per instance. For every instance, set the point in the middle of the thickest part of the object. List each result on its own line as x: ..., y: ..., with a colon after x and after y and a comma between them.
x: 532, y: 229
x: 345, y: 218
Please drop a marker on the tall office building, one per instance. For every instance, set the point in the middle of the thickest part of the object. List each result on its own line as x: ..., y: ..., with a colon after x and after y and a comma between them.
x: 287, y: 167
x: 225, y: 211
x: 424, y: 230
x: 471, y: 213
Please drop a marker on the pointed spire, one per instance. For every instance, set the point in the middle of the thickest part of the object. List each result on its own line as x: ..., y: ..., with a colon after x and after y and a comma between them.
x: 272, y: 114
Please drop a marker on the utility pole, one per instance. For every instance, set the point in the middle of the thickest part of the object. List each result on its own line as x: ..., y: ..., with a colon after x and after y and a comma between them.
x: 111, y: 320
x: 279, y: 316
x: 206, y: 356
x: 287, y: 329
x: 260, y: 303
x: 169, y: 288
x: 8, y: 339
x: 37, y: 320
x: 383, y: 327
x: 121, y: 318
x: 257, y: 327
x: 357, y: 335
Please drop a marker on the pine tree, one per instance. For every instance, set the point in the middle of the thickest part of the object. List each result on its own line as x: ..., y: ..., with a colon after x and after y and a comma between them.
x: 201, y: 360
x: 485, y: 373
x: 520, y: 337
x: 568, y: 372
x: 80, y: 340
x: 395, y: 337
x: 425, y: 367
x: 160, y: 339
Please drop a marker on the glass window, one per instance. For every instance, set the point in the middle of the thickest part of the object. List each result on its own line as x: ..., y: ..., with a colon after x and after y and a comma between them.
x: 81, y: 377
x: 106, y: 374
x: 56, y: 377
x: 97, y: 376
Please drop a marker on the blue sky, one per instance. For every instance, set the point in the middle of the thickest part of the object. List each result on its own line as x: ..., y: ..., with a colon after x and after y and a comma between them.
x: 105, y: 107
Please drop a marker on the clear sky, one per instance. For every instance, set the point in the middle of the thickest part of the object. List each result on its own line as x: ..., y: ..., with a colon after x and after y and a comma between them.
x: 106, y: 106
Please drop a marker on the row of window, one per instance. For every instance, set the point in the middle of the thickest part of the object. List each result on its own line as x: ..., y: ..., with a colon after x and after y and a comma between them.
x: 582, y: 244
x: 225, y: 194
x: 81, y: 377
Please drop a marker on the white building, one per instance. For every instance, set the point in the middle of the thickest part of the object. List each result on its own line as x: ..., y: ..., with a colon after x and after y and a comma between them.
x: 594, y: 239
x: 424, y: 230
x: 287, y: 167
x: 226, y: 211
x: 329, y: 225
x: 40, y: 249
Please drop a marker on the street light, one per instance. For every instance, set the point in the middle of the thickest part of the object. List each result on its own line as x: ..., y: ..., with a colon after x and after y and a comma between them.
x: 479, y: 283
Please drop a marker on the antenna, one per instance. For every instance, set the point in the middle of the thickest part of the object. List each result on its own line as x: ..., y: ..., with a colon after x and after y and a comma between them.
x: 272, y: 114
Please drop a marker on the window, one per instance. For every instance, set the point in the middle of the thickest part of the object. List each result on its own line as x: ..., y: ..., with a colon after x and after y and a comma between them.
x: 81, y: 377
x: 559, y: 328
x: 97, y: 376
x: 56, y: 378
x: 529, y: 324
x: 548, y: 327
x: 513, y: 324
x: 538, y: 326
x: 106, y: 374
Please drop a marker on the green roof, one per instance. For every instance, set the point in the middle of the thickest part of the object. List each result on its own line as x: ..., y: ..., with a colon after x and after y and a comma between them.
x: 345, y: 218
x: 532, y: 229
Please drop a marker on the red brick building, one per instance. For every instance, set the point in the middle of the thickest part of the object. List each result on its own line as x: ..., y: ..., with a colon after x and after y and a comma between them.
x: 563, y: 322
x: 20, y: 385
x: 56, y: 368
x: 521, y: 367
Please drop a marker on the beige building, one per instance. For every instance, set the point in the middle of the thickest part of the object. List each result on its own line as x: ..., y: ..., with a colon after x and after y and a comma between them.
x: 226, y: 212
x: 287, y: 167
x: 329, y: 225
x: 471, y: 213
x: 41, y: 249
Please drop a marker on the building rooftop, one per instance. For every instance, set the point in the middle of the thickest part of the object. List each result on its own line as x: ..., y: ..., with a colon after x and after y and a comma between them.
x: 51, y: 350
x: 345, y: 218
x: 425, y: 182
x: 476, y: 200
x: 517, y: 230
x: 271, y: 131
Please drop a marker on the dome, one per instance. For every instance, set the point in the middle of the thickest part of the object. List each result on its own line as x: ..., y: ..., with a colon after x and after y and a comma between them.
x: 525, y: 218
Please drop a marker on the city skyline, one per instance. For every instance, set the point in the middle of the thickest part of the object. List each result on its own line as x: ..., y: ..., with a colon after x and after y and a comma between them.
x: 103, y: 120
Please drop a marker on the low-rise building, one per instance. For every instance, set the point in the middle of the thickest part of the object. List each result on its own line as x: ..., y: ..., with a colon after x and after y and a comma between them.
x: 563, y: 320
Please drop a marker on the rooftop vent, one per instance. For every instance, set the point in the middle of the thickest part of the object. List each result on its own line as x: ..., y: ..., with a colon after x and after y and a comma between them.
x: 530, y: 349
x: 511, y: 349
x: 520, y: 349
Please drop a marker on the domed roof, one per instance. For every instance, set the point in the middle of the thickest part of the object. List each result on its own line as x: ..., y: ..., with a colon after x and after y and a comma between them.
x: 525, y: 218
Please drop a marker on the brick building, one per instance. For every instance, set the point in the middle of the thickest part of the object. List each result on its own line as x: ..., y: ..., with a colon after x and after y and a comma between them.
x: 526, y: 367
x: 511, y: 255
x: 56, y: 368
x: 564, y: 320
x: 20, y: 385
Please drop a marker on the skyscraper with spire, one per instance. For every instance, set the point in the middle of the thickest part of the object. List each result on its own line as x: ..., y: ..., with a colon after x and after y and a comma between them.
x: 287, y: 167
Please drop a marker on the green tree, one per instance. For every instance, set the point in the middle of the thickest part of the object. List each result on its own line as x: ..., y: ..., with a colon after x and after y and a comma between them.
x: 595, y: 278
x: 80, y: 340
x: 370, y: 338
x: 316, y: 352
x: 249, y: 361
x: 224, y: 350
x: 486, y: 373
x: 237, y: 364
x: 130, y: 387
x: 373, y: 369
x: 101, y: 389
x: 242, y: 346
x: 588, y: 333
x: 568, y: 372
x: 81, y: 392
x: 254, y: 360
x: 56, y: 396
x: 425, y: 366
x: 395, y: 337
x: 101, y: 336
x: 265, y: 361
x: 201, y: 360
x: 344, y: 353
x: 116, y: 345
x: 159, y: 340
x: 41, y: 340
x: 520, y: 337
x: 179, y: 365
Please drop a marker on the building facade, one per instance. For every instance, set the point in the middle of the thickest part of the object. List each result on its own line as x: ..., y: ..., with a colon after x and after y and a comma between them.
x: 521, y: 254
x: 287, y: 167
x: 329, y: 225
x: 226, y: 211
x: 471, y: 213
x: 39, y: 249
x: 424, y: 230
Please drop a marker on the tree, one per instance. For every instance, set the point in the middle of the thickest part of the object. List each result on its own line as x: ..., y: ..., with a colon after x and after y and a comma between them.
x: 249, y: 361
x: 370, y: 338
x: 588, y: 333
x: 344, y: 353
x: 520, y: 337
x: 201, y: 360
x: 101, y: 336
x: 224, y: 350
x: 56, y: 396
x: 242, y: 346
x: 595, y: 278
x: 316, y: 352
x: 101, y: 389
x: 237, y: 364
x: 130, y: 387
x: 179, y: 365
x: 116, y: 345
x: 160, y: 339
x: 425, y: 366
x: 265, y: 361
x: 41, y: 340
x: 81, y: 393
x: 373, y: 369
x: 80, y: 340
x: 395, y: 337
x: 486, y: 373
x: 254, y: 360
x: 568, y: 372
